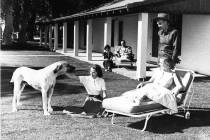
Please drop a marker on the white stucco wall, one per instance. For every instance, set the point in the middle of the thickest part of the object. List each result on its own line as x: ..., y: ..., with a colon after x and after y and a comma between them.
x: 129, y: 32
x: 98, y: 34
x: 195, y: 53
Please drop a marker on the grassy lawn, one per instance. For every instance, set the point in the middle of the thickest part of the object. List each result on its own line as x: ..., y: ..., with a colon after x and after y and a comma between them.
x: 29, y: 123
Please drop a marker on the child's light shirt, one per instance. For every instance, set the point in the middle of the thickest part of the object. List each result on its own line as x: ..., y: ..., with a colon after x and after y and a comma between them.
x: 164, y: 79
x: 93, y: 86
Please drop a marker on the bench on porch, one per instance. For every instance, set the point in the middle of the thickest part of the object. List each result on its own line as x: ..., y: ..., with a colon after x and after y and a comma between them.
x: 122, y: 62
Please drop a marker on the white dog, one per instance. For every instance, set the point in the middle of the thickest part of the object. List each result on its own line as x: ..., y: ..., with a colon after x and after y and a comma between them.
x: 43, y: 80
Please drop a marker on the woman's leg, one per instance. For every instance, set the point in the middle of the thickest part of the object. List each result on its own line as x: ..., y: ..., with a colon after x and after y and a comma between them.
x: 92, y: 105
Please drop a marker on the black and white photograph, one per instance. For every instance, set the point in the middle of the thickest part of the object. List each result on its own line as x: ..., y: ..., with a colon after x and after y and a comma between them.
x: 105, y: 69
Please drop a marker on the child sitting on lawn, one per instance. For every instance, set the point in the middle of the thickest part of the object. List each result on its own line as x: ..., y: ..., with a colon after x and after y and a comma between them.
x: 96, y: 92
x: 108, y: 55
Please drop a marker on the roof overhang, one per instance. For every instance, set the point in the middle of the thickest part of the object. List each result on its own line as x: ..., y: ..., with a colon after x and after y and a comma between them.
x: 123, y: 7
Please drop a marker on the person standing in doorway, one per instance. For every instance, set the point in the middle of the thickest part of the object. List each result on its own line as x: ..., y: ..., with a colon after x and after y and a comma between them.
x: 169, y: 38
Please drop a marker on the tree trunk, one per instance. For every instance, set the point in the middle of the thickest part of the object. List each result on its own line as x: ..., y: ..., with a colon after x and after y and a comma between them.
x: 31, y: 27
x: 7, y: 35
x: 22, y: 34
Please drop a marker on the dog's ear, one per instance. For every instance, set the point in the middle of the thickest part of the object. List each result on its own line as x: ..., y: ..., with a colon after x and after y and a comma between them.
x: 58, y: 68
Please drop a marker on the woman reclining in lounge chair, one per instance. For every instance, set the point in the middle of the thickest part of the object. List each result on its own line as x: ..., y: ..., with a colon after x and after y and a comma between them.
x: 163, y: 87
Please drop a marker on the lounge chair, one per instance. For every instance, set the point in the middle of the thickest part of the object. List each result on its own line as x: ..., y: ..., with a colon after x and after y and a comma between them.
x: 117, y: 105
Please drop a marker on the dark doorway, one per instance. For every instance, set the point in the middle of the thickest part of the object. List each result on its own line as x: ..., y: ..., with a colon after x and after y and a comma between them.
x: 85, y: 32
x: 70, y: 34
x: 112, y: 32
x: 120, y: 32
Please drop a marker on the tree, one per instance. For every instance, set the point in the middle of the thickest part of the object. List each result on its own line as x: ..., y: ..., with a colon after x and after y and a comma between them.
x: 6, y: 14
x: 26, y: 12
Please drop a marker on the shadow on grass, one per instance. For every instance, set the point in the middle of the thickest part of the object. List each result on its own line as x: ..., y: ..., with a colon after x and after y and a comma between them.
x: 133, y: 68
x: 23, y: 46
x: 202, y: 79
x: 129, y: 67
x: 73, y: 109
x: 63, y: 86
x: 167, y: 124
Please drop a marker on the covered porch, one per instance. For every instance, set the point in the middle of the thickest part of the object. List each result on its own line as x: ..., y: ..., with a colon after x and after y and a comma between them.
x: 133, y: 21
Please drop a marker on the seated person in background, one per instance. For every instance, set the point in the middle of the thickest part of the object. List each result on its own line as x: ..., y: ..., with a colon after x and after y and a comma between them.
x: 163, y: 87
x: 108, y: 55
x: 124, y: 52
x: 96, y: 92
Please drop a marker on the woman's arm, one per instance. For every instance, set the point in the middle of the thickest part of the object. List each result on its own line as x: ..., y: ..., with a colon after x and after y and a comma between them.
x: 103, y: 88
x: 104, y: 94
x: 72, y: 76
x: 151, y: 80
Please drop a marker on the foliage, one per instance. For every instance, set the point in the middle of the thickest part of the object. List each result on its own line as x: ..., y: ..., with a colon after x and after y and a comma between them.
x: 68, y: 7
x: 6, y: 6
x: 26, y: 12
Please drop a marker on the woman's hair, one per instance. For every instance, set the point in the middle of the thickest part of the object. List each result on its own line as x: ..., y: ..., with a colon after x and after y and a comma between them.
x: 168, y: 62
x: 107, y: 47
x: 98, y: 70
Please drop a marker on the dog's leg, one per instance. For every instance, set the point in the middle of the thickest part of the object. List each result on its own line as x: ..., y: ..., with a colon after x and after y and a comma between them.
x: 22, y: 86
x: 16, y: 91
x: 50, y: 93
x: 14, y: 100
x: 18, y: 88
x: 44, y: 101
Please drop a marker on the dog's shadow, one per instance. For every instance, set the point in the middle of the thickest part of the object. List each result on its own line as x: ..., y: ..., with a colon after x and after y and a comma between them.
x: 57, y: 110
x: 72, y: 109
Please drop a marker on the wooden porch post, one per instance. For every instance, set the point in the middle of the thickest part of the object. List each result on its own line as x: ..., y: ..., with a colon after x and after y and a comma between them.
x: 45, y: 35
x: 107, y: 31
x: 64, y: 36
x: 89, y: 44
x: 142, y: 43
x: 40, y: 35
x: 76, y: 37
x: 56, y: 37
x: 50, y: 37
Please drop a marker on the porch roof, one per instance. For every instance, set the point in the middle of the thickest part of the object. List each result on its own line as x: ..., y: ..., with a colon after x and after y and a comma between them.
x: 122, y: 7
x: 112, y: 7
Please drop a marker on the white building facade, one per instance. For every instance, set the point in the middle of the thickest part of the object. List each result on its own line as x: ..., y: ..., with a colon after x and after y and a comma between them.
x: 94, y: 29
